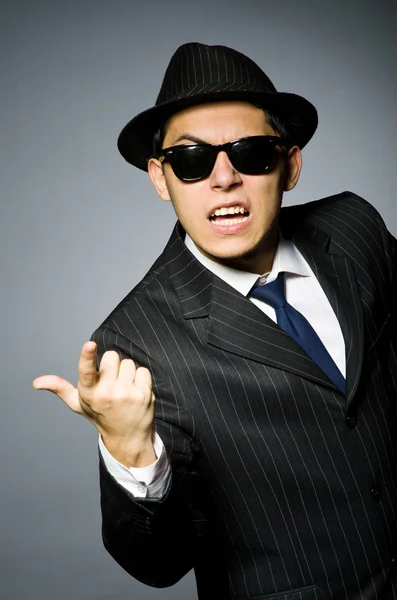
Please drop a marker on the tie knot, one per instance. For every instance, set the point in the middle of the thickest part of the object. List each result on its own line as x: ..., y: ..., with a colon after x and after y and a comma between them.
x: 271, y: 293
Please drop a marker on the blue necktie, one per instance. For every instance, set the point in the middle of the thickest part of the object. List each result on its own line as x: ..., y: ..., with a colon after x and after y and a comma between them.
x: 298, y: 328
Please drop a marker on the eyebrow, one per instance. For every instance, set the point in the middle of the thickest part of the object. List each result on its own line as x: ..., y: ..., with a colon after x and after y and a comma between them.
x: 190, y: 137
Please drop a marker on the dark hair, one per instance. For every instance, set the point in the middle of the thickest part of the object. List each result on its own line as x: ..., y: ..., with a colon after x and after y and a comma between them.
x: 158, y: 139
x: 271, y: 118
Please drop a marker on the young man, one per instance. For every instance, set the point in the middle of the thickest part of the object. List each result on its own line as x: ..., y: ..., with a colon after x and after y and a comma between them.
x: 246, y: 393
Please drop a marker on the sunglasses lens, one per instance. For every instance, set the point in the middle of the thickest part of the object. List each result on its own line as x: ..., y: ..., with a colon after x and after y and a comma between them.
x: 192, y: 163
x: 254, y: 156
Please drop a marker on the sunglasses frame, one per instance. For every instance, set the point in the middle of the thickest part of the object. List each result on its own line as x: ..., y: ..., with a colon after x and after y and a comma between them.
x: 169, y: 154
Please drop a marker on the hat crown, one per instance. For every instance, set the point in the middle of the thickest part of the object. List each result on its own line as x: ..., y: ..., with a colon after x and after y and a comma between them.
x: 197, y: 69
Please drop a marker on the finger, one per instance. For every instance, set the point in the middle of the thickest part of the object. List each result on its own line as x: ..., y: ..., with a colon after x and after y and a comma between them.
x: 127, y: 371
x: 143, y: 378
x: 87, y: 365
x: 62, y: 388
x: 109, y: 367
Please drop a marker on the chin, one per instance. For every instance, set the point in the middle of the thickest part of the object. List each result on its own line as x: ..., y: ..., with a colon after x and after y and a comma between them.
x: 238, y: 259
x: 229, y: 254
x: 256, y: 258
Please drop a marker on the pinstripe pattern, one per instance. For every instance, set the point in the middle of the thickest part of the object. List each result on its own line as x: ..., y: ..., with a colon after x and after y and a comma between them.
x: 282, y: 487
x: 202, y: 67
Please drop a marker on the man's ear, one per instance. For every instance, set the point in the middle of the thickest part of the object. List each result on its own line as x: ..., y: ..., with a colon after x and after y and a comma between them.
x: 156, y: 174
x: 294, y: 167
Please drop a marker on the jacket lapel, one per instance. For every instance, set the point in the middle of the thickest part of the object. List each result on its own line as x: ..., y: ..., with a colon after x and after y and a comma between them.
x: 237, y: 326
x: 338, y: 280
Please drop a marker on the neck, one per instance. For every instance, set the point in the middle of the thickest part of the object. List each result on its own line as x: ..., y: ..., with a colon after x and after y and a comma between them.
x: 260, y: 259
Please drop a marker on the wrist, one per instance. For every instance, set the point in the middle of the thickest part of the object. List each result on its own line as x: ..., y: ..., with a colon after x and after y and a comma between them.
x: 131, y: 453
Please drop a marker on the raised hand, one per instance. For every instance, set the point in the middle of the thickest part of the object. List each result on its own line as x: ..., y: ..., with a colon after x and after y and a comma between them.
x: 117, y: 399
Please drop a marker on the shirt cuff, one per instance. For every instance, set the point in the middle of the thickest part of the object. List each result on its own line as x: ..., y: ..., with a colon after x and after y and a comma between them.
x: 143, y: 482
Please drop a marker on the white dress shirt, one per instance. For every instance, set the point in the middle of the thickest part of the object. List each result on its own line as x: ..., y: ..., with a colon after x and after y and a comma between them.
x: 302, y: 291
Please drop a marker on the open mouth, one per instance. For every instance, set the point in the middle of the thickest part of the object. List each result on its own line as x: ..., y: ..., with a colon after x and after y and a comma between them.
x: 232, y: 215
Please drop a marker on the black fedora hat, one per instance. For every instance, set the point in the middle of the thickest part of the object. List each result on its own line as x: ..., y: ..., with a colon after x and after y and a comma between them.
x: 198, y: 73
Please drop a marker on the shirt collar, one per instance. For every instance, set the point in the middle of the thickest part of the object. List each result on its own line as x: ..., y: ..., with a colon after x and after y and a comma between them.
x: 287, y: 258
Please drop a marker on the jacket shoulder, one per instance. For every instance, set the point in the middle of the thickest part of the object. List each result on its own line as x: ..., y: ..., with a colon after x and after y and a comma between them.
x: 345, y: 203
x: 342, y: 216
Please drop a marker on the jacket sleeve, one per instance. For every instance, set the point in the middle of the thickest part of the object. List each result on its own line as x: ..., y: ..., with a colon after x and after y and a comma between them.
x: 157, y: 541
x: 385, y: 241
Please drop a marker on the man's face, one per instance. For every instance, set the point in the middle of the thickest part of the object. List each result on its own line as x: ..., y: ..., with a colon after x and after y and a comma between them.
x: 247, y: 238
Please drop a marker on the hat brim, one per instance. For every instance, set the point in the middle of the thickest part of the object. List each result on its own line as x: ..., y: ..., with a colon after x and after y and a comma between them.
x: 299, y: 116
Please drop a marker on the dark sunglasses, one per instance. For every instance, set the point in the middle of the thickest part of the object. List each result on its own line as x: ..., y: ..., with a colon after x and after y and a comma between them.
x: 253, y: 155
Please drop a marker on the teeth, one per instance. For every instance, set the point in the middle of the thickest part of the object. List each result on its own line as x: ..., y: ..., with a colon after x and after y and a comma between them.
x: 232, y: 210
x: 231, y: 221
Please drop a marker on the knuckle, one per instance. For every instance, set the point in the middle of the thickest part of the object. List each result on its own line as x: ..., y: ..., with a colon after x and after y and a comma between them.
x: 128, y: 361
x: 142, y: 396
x: 103, y: 395
x: 120, y: 397
x: 111, y: 394
x: 85, y: 375
x: 143, y: 370
x: 139, y: 397
x: 110, y: 356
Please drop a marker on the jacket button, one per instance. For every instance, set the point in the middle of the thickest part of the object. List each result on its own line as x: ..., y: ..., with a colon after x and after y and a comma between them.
x: 376, y: 492
x: 394, y: 561
x: 351, y: 421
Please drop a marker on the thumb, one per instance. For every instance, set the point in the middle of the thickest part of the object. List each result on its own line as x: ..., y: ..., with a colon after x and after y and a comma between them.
x: 62, y: 388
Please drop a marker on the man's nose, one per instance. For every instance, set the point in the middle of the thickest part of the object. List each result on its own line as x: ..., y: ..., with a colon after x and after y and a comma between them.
x: 224, y: 175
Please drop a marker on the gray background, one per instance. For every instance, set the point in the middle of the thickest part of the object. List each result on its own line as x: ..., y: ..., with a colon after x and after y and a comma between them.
x: 80, y: 227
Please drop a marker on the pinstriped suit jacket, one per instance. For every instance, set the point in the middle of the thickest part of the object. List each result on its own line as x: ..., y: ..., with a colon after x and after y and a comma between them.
x: 282, y: 487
